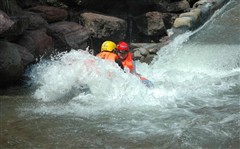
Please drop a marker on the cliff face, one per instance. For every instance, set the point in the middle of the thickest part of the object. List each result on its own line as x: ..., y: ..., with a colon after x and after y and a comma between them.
x: 39, y: 28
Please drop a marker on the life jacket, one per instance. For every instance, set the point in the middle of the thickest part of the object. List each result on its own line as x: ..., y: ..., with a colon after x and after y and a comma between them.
x: 107, y: 55
x: 128, y: 62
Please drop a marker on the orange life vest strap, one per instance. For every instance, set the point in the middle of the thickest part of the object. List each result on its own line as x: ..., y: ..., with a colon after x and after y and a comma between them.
x: 128, y: 62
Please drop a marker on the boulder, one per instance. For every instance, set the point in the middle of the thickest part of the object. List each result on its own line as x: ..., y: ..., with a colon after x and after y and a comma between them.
x: 177, y: 6
x: 151, y: 23
x: 36, y: 21
x: 37, y: 42
x: 104, y: 26
x: 51, y: 14
x: 11, y: 67
x: 21, y: 24
x: 69, y: 35
x: 5, y: 22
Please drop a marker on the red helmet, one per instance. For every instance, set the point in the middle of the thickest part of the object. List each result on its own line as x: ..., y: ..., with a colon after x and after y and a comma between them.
x: 122, y: 46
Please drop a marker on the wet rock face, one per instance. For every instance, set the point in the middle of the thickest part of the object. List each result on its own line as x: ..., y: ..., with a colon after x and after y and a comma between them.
x: 51, y: 14
x: 104, y: 26
x: 37, y: 42
x: 5, y: 22
x: 69, y: 35
x: 151, y: 23
x: 36, y: 21
x: 11, y: 67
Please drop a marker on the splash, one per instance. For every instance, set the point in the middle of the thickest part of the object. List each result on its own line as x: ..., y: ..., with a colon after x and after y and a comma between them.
x: 83, y: 81
x: 185, y: 69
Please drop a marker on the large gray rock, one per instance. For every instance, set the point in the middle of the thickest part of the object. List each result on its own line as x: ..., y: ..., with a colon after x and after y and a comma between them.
x: 177, y: 6
x: 37, y: 42
x: 26, y: 57
x: 69, y: 35
x: 51, y: 14
x: 151, y: 23
x: 5, y: 22
x: 21, y: 24
x: 104, y: 26
x: 11, y: 67
x: 36, y: 21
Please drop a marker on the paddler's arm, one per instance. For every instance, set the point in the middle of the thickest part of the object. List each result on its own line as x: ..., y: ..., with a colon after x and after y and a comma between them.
x: 119, y: 63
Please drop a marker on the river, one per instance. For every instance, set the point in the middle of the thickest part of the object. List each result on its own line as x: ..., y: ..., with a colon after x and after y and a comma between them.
x: 76, y: 100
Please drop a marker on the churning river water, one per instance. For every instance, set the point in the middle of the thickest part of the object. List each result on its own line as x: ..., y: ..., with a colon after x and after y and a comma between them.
x: 76, y: 100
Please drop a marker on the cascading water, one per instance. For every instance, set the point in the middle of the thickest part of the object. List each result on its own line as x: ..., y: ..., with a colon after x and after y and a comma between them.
x: 82, y: 101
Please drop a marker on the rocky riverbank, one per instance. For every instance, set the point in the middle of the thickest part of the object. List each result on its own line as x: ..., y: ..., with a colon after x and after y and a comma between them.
x: 30, y: 30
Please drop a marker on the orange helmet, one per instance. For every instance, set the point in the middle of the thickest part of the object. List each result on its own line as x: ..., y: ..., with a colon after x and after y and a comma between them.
x: 122, y: 46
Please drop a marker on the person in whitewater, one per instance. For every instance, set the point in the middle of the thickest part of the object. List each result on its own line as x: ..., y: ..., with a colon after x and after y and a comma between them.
x: 126, y: 57
x: 108, y: 52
